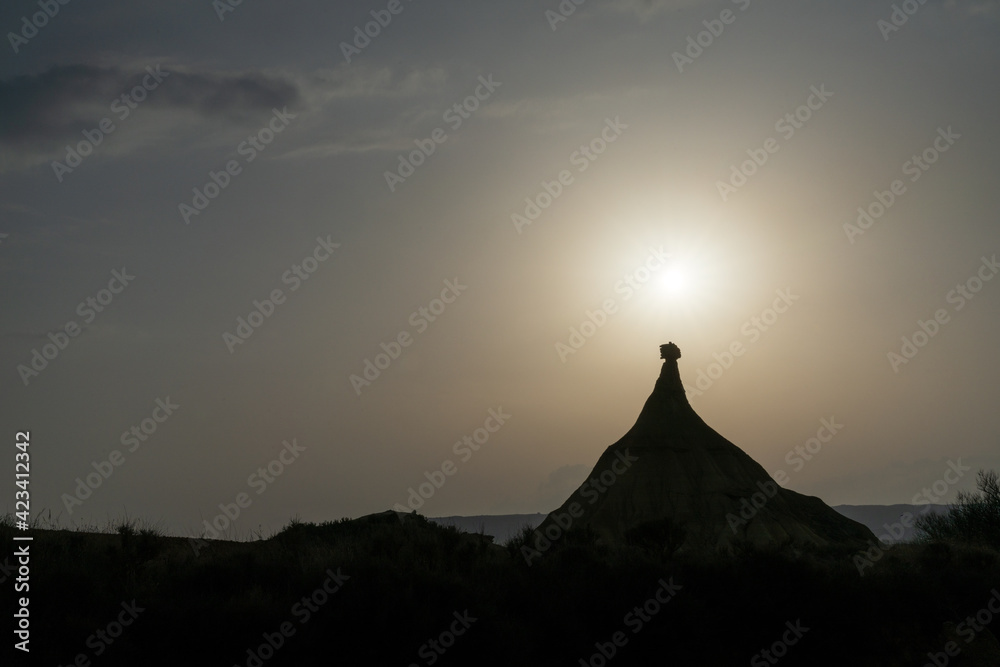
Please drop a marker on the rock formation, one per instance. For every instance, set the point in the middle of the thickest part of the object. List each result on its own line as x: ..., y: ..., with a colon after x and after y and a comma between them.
x: 673, y: 479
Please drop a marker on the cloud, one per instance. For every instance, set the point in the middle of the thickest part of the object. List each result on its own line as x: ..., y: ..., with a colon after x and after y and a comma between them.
x: 647, y: 9
x: 236, y: 97
x: 350, y: 146
x: 29, y: 336
x: 370, y: 109
x: 67, y: 99
x: 976, y: 7
x: 347, y: 81
x: 41, y: 113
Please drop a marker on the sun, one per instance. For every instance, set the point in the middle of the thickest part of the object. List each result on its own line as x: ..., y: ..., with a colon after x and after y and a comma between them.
x: 676, y: 281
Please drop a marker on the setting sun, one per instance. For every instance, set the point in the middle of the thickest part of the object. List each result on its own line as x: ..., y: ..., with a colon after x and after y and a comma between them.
x: 676, y: 281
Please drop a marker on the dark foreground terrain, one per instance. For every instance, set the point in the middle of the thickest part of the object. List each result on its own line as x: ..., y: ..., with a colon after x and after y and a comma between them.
x: 385, y: 591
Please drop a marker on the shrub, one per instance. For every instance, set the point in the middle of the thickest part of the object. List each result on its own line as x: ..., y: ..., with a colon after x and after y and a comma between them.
x: 973, y: 519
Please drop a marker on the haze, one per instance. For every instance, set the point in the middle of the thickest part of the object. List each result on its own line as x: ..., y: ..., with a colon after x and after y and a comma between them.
x: 678, y: 198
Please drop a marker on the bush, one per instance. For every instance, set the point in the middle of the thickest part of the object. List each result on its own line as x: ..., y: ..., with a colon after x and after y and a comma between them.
x: 663, y: 536
x: 973, y: 519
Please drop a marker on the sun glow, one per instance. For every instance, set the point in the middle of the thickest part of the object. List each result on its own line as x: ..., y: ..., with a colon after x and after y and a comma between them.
x: 675, y: 280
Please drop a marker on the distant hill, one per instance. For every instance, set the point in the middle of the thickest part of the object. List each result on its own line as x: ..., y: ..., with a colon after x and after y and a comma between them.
x: 877, y: 517
x: 501, y: 526
x: 886, y: 519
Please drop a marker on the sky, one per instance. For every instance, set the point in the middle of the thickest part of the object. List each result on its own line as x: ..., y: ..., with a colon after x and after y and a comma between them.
x: 271, y: 260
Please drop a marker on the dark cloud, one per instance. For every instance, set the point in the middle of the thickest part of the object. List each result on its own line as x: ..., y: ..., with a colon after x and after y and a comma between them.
x: 228, y: 95
x: 41, y: 108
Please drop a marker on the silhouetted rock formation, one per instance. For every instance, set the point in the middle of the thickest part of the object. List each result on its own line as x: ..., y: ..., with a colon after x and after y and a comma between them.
x: 674, y: 481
